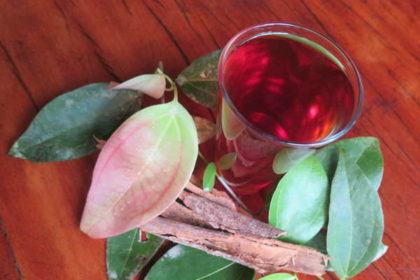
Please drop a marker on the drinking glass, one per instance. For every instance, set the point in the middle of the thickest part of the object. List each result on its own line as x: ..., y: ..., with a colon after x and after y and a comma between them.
x: 311, y: 96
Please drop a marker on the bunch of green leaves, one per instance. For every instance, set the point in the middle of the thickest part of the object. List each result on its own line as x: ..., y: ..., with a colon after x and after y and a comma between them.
x: 326, y: 200
x: 329, y: 201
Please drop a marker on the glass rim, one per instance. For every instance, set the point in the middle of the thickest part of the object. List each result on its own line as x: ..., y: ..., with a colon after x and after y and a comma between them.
x: 324, y: 141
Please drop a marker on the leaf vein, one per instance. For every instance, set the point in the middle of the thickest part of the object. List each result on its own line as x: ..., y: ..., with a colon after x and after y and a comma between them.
x: 216, y: 271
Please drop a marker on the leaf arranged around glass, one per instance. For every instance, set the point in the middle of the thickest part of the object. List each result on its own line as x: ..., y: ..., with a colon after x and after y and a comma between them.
x: 327, y: 199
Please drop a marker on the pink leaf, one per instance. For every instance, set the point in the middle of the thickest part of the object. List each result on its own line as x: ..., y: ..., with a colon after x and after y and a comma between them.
x: 141, y: 170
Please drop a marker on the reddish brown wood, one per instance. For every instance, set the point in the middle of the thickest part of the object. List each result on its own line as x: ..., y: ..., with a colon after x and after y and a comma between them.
x: 9, y: 269
x: 49, y: 47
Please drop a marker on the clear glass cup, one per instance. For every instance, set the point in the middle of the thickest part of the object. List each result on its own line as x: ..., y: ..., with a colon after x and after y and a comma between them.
x: 251, y: 147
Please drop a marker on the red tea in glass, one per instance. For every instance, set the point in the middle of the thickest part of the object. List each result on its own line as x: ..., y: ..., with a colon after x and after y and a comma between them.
x: 280, y: 86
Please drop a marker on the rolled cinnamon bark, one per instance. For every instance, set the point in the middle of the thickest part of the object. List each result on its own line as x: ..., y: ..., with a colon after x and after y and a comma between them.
x: 211, y: 223
x: 263, y: 255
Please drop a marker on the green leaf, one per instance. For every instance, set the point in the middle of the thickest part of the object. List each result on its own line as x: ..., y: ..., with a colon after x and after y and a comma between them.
x: 186, y: 263
x: 65, y: 128
x: 205, y: 129
x: 280, y: 276
x: 126, y: 256
x: 299, y: 203
x: 363, y: 156
x: 209, y: 177
x: 199, y: 80
x: 227, y: 161
x: 141, y: 170
x: 355, y: 227
x: 287, y: 158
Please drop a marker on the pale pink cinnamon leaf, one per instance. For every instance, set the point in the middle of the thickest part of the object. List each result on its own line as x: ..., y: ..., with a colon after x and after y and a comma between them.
x: 141, y: 170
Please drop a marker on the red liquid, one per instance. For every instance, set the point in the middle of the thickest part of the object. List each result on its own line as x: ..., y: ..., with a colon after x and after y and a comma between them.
x: 286, y: 89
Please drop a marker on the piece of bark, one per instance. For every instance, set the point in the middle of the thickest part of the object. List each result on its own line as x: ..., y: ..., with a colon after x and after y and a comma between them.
x: 216, y: 196
x: 226, y: 219
x: 262, y: 254
x: 207, y: 221
x: 179, y: 213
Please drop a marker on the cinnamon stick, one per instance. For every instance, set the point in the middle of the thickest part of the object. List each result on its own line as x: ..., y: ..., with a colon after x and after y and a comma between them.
x: 263, y: 255
x: 210, y: 222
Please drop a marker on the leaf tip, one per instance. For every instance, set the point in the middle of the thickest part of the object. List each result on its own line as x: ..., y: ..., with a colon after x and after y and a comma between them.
x: 90, y: 229
x: 15, y: 152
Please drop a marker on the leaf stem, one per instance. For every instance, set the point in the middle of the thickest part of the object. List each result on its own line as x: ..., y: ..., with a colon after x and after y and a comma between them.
x: 175, y: 89
x: 172, y: 84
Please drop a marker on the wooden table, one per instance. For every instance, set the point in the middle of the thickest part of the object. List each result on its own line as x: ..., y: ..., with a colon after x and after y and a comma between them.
x: 49, y: 47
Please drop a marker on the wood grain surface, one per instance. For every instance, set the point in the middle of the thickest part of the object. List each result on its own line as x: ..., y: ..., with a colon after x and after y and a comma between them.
x: 52, y: 46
